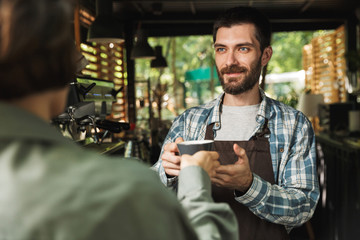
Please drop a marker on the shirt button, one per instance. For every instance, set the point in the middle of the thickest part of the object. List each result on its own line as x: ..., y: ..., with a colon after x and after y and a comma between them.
x: 217, y: 124
x: 281, y: 150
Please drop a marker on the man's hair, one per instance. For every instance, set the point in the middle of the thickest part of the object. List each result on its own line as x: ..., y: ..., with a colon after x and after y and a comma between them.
x: 36, y: 47
x: 244, y: 15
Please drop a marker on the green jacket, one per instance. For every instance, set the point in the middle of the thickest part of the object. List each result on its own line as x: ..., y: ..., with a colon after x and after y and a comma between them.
x: 50, y: 188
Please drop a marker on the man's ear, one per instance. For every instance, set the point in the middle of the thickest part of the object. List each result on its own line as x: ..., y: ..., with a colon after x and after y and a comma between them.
x: 266, y: 56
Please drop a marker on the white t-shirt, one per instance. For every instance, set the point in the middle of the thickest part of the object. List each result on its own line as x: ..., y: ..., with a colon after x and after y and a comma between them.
x: 237, y: 122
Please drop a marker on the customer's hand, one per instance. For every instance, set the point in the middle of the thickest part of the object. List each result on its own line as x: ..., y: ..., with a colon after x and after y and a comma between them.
x: 208, y: 160
x: 236, y: 176
x: 171, y: 159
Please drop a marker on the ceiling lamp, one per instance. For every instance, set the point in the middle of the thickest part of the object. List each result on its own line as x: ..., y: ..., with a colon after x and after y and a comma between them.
x: 142, y: 49
x: 159, y: 61
x: 105, y: 29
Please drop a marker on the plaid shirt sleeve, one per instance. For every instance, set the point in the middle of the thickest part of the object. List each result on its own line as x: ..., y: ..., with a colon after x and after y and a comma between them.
x: 292, y: 201
x: 191, y: 125
x: 174, y: 132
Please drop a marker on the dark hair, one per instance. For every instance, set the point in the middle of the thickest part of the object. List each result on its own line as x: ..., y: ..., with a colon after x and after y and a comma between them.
x: 241, y: 15
x: 36, y: 46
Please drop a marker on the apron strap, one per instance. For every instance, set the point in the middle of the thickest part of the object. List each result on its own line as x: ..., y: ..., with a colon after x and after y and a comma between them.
x: 209, y: 134
x: 264, y: 131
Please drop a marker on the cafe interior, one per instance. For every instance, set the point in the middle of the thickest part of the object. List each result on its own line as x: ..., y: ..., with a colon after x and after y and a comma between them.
x: 103, y: 103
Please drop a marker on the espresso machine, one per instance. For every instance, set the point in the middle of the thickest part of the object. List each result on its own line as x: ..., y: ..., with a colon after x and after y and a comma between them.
x: 84, y: 118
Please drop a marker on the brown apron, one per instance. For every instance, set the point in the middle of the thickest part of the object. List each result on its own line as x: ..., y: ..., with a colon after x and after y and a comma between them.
x: 251, y: 227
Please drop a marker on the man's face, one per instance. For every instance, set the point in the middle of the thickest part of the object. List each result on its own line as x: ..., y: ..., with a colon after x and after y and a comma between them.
x: 238, y: 58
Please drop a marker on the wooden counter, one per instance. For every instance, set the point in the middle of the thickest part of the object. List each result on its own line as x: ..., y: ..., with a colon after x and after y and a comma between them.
x: 339, y: 173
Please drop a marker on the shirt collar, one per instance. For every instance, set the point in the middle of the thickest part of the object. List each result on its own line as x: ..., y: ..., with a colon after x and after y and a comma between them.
x: 215, y: 118
x: 264, y: 109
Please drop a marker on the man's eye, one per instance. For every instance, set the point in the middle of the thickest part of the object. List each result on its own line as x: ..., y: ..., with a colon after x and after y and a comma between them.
x: 220, y: 49
x: 243, y: 49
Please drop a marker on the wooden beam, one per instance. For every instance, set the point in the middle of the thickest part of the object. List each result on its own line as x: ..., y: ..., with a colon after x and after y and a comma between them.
x: 77, y: 25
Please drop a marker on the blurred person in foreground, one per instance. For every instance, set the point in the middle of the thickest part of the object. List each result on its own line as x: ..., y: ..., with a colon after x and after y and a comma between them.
x: 53, y: 189
x: 267, y: 149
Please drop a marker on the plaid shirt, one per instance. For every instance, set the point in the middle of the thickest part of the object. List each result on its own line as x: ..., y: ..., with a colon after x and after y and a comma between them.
x: 292, y: 200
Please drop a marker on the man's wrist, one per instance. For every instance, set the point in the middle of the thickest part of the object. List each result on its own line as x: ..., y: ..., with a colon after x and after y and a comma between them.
x: 243, y: 189
x: 256, y: 193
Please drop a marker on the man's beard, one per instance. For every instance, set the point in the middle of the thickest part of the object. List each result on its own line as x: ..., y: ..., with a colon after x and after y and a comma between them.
x: 235, y: 85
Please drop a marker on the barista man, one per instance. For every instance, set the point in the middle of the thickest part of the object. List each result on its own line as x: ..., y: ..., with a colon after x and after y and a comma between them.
x: 267, y: 149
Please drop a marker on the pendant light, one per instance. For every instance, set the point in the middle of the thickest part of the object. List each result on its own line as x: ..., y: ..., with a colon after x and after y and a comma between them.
x: 159, y: 61
x: 142, y: 49
x: 105, y: 29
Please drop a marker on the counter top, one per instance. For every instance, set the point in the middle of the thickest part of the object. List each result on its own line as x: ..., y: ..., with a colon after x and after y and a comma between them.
x: 339, y: 141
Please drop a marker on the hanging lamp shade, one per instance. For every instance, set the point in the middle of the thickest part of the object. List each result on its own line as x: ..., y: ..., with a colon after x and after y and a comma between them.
x: 105, y: 28
x: 159, y: 61
x: 142, y: 49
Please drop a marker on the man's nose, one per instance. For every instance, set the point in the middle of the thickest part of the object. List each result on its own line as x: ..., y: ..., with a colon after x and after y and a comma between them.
x: 231, y: 58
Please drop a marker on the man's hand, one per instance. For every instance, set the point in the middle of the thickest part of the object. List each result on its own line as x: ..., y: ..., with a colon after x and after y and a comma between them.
x: 236, y: 176
x: 208, y: 160
x: 171, y: 159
